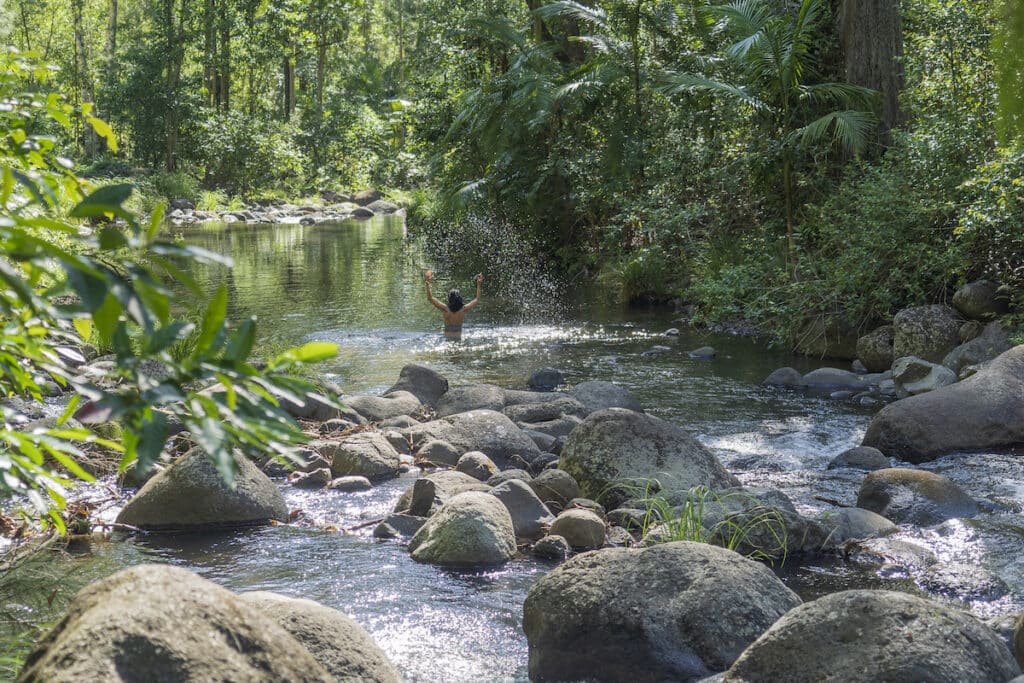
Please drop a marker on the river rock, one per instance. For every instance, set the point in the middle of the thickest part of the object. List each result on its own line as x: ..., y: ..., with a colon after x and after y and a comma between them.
x: 914, y: 497
x: 860, y: 458
x: 445, y: 483
x: 397, y: 525
x: 530, y: 517
x: 477, y: 465
x: 784, y: 377
x: 399, y: 422
x: 350, y: 484
x: 984, y: 411
x: 381, y: 206
x: 986, y: 346
x: 581, y: 528
x: 928, y: 332
x: 561, y: 426
x: 678, y: 611
x: 874, y: 349
x: 380, y: 408
x: 549, y: 410
x: 545, y: 442
x: 471, y: 397
x: 915, y: 376
x: 552, y: 548
x: 191, y: 494
x: 703, y: 353
x: 971, y: 329
x: 980, y: 300
x: 509, y: 475
x: 833, y: 378
x: 163, y: 623
x: 315, y: 479
x: 865, y: 635
x: 555, y: 488
x: 422, y: 382
x: 472, y: 528
x: 334, y: 639
x: 364, y: 454
x: 439, y: 453
x: 480, y: 430
x: 546, y: 379
x: 614, y: 445
x: 756, y: 523
x: 309, y: 408
x: 362, y: 212
x: 598, y: 395
x: 367, y: 197
x: 962, y: 581
x: 844, y: 524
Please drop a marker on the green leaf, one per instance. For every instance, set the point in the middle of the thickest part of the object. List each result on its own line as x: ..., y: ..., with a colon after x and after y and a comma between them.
x: 104, y: 130
x: 168, y: 336
x: 112, y: 239
x: 152, y: 436
x: 312, y: 352
x: 213, y: 321
x: 155, y: 220
x: 106, y: 200
x: 241, y: 343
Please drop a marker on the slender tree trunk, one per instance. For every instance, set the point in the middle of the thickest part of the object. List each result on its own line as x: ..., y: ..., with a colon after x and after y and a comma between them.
x: 26, y: 32
x: 225, y: 57
x: 112, y: 43
x: 82, y: 76
x: 174, y: 35
x: 288, y: 71
x: 210, y: 53
x: 871, y: 38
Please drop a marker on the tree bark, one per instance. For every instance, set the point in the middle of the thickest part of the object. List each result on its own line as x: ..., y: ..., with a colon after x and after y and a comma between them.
x: 82, y: 76
x: 871, y: 40
x: 225, y: 57
x: 112, y: 43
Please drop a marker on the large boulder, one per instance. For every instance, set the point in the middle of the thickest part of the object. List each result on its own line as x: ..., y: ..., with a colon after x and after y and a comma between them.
x: 549, y: 410
x: 598, y: 395
x: 914, y: 497
x: 471, y: 397
x: 480, y: 430
x: 363, y: 454
x: 615, y: 445
x: 874, y: 349
x: 980, y: 300
x: 530, y: 517
x: 555, y: 487
x: 163, y: 623
x: 422, y: 382
x: 992, y: 341
x: 833, y: 378
x: 915, y: 376
x: 928, y: 332
x: 444, y: 485
x: 341, y: 645
x: 784, y: 377
x: 472, y: 528
x: 844, y: 524
x: 191, y: 494
x: 860, y: 458
x: 678, y: 611
x: 984, y: 411
x: 380, y: 408
x: 865, y: 635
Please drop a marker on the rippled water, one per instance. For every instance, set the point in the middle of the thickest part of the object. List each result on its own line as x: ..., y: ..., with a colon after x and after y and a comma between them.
x: 360, y: 285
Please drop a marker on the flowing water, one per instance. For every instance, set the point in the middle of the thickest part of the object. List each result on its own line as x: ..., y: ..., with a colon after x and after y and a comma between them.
x: 360, y: 285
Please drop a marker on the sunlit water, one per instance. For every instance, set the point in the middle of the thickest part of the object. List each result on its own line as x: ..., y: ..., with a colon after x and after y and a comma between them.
x: 360, y: 285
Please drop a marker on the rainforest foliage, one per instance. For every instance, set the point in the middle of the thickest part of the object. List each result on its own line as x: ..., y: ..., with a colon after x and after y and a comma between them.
x: 771, y: 160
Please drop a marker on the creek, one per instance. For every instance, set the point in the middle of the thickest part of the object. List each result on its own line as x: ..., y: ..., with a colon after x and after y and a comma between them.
x: 359, y: 284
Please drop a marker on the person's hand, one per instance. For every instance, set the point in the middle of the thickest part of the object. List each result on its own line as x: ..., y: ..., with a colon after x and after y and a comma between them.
x: 429, y: 275
x: 479, y: 278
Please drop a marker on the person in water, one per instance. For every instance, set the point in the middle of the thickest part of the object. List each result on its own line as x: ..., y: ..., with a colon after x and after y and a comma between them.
x: 455, y: 311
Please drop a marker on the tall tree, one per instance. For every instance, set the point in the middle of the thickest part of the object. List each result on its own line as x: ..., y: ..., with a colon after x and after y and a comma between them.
x: 871, y: 38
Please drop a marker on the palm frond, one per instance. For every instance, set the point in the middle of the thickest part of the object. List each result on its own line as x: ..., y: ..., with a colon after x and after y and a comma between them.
x: 594, y: 16
x: 603, y: 44
x: 845, y: 94
x: 850, y: 130
x: 675, y: 82
x: 498, y: 29
x: 742, y: 17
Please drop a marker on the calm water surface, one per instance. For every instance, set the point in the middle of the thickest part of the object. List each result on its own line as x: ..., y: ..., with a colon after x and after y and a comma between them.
x: 360, y: 285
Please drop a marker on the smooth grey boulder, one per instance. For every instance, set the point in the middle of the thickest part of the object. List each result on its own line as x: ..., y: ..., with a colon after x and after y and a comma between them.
x: 971, y: 329
x: 530, y: 517
x: 866, y: 635
x: 439, y: 453
x: 784, y: 377
x: 164, y: 623
x: 545, y: 442
x: 757, y: 522
x: 314, y: 479
x: 980, y: 300
x: 984, y: 411
x: 562, y: 426
x: 381, y: 206
x: 445, y: 484
x: 191, y: 494
x: 362, y: 212
x: 555, y: 488
x: 480, y: 430
x: 874, y: 349
x: 552, y: 548
x: 334, y: 639
x: 310, y: 407
x: 703, y: 353
x: 509, y: 475
x: 580, y: 528
x: 472, y: 528
x: 476, y: 465
x: 397, y: 525
x: 380, y: 408
x: 398, y: 422
x: 598, y: 395
x: 833, y: 378
x: 363, y: 454
x: 915, y: 376
x: 470, y: 397
x: 548, y: 410
x: 422, y: 382
x: 615, y: 445
x: 986, y: 346
x: 914, y: 497
x: 546, y: 379
x: 928, y: 332
x: 673, y: 612
x: 350, y: 484
x: 844, y: 524
x: 860, y: 458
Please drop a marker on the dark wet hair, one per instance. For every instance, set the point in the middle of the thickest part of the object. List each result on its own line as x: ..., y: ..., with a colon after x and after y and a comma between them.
x: 454, y: 300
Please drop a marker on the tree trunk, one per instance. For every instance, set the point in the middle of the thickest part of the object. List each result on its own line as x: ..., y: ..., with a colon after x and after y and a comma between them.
x: 225, y: 57
x: 82, y: 77
x: 112, y: 44
x: 210, y: 52
x: 175, y: 38
x: 871, y: 39
x: 288, y: 72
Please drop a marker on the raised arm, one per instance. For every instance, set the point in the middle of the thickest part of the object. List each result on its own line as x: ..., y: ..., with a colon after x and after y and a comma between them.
x: 430, y: 296
x: 474, y: 302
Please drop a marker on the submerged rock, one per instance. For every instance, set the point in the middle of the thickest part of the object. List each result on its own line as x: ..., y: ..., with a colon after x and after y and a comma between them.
x: 914, y: 497
x: 678, y: 611
x: 546, y: 379
x: 864, y: 635
x: 191, y: 494
x: 845, y: 524
x: 163, y: 623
